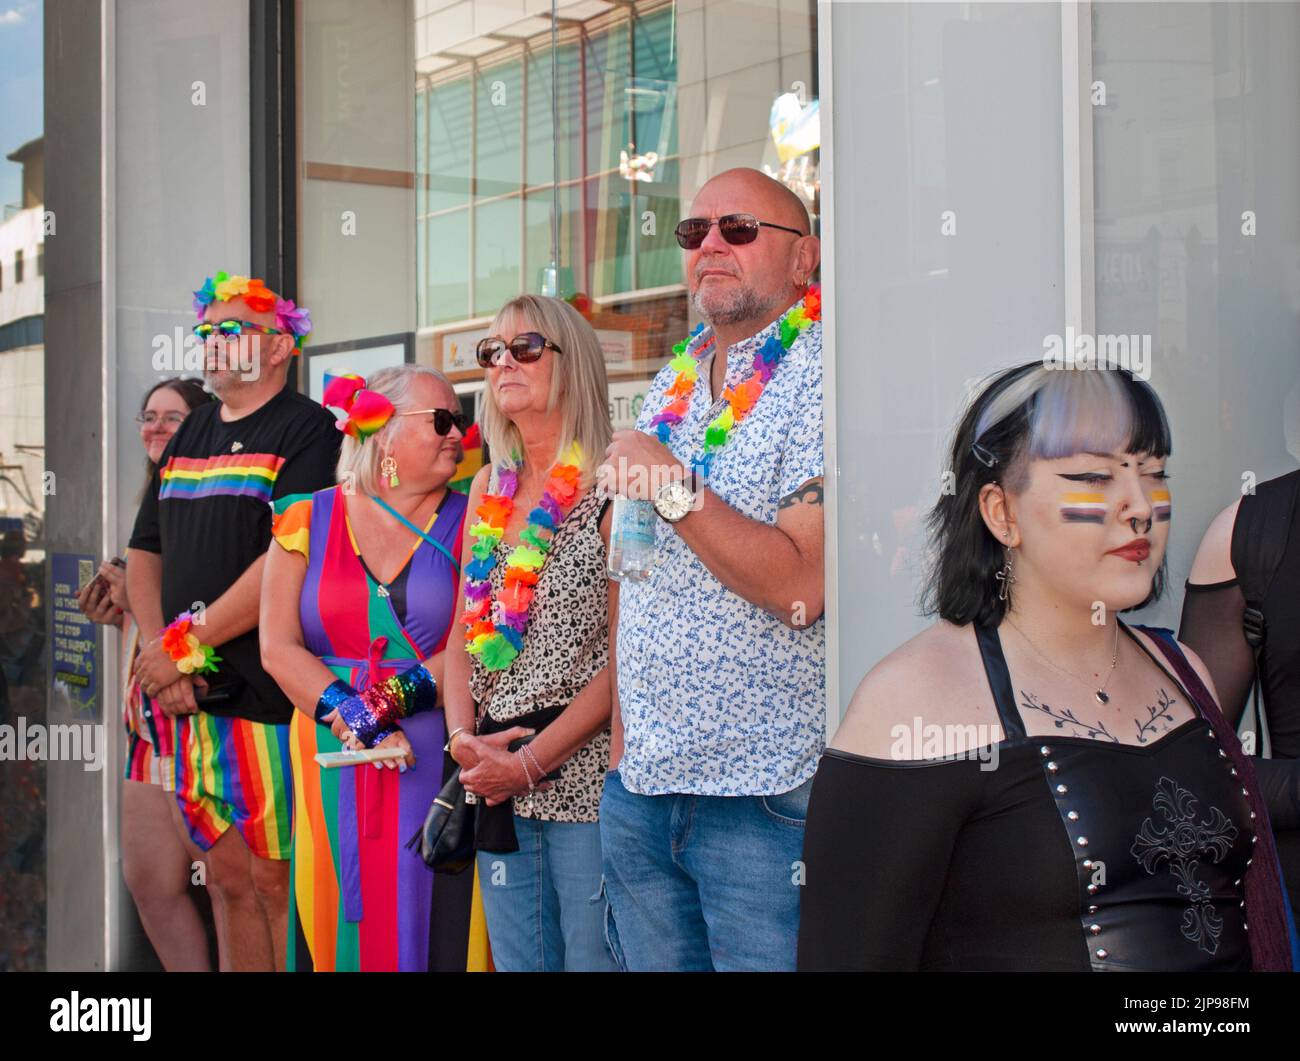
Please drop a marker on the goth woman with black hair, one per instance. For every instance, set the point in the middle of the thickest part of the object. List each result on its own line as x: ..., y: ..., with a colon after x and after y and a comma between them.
x: 1030, y: 783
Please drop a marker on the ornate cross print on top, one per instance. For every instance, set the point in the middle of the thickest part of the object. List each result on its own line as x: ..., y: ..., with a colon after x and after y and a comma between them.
x: 1183, y: 843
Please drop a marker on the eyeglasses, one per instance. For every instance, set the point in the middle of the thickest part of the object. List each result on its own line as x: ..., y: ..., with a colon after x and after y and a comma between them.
x: 232, y: 329
x: 443, y: 420
x: 523, y: 348
x: 736, y: 229
x: 168, y: 419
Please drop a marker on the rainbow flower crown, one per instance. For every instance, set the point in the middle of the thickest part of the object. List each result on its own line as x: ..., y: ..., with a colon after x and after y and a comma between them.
x: 291, y: 319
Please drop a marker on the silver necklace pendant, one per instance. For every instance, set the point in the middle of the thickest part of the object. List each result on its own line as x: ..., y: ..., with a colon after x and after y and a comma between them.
x: 235, y: 447
x: 382, y: 591
x: 1102, y: 697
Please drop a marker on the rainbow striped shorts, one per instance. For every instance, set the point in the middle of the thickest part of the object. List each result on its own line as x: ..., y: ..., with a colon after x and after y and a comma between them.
x: 230, y: 771
x: 150, y: 743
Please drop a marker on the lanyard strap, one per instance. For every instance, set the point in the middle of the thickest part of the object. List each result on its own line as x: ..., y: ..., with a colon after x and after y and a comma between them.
x: 432, y: 541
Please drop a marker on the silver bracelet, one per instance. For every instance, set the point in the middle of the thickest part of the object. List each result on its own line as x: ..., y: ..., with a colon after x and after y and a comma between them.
x: 541, y: 774
x: 452, y: 736
x: 523, y: 764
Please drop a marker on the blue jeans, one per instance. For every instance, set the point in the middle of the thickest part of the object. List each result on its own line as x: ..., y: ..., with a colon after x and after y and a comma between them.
x: 544, y: 905
x: 703, y: 882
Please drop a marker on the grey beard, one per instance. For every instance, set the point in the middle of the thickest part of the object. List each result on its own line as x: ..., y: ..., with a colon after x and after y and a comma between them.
x: 225, y: 382
x: 744, y: 305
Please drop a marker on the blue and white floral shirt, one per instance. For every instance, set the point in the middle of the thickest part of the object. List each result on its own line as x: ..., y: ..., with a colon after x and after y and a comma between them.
x: 718, y: 697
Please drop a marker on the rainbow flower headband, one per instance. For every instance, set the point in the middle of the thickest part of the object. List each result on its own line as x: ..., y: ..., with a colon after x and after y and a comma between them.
x: 185, y: 650
x: 367, y: 411
x: 291, y: 319
x: 740, y: 399
x: 494, y: 629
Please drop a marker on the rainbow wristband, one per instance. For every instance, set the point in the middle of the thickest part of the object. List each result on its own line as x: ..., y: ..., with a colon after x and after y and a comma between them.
x: 361, y: 720
x: 332, y: 698
x: 189, y: 654
x: 402, y: 695
x: 373, y: 715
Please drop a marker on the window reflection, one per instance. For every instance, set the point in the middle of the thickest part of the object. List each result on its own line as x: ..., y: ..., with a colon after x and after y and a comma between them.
x: 533, y: 158
x: 651, y: 99
x: 22, y: 491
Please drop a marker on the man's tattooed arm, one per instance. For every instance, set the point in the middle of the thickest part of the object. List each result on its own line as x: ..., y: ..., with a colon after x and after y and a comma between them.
x: 808, y: 494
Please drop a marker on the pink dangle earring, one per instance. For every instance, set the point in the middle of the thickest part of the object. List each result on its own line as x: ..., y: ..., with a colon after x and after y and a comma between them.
x: 388, y: 467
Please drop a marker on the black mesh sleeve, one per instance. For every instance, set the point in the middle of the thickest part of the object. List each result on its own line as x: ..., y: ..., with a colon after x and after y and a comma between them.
x: 1279, y: 784
x: 1211, y: 627
x: 877, y: 845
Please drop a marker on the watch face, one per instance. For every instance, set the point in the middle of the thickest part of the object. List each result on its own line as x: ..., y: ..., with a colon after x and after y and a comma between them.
x: 674, y: 501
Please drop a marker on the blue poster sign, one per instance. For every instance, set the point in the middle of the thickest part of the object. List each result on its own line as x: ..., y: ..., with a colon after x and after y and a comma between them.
x: 73, y: 667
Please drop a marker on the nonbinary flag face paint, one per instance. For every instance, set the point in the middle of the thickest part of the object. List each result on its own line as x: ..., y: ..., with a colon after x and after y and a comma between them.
x: 1083, y: 507
x: 1161, y: 506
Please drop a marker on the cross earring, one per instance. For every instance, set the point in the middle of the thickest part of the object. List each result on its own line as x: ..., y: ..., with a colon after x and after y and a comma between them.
x: 1005, y: 578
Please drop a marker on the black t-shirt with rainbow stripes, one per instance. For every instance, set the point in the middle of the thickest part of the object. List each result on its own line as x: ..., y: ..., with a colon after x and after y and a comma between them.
x: 207, y: 511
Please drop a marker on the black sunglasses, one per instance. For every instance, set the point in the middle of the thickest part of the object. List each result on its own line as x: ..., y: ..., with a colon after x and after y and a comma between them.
x: 736, y: 229
x: 523, y: 348
x: 443, y: 420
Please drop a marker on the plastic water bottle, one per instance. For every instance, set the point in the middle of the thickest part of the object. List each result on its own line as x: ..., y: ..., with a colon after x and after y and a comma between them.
x: 632, y: 540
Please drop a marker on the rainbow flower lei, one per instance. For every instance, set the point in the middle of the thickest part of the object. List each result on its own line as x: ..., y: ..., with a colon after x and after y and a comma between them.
x: 740, y: 399
x: 494, y: 626
x: 185, y: 650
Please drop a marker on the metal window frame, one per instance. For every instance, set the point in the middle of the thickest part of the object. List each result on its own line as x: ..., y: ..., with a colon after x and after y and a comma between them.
x: 115, y: 893
x: 1079, y: 242
x: 825, y: 82
x: 273, y: 148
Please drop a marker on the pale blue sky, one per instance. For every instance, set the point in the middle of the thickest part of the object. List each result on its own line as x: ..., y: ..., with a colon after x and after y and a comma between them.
x: 22, y: 107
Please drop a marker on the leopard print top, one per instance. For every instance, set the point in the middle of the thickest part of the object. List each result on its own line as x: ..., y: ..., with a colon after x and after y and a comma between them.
x: 565, y: 646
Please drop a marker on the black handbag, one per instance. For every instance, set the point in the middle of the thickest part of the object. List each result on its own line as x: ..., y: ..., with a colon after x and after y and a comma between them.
x: 450, y: 834
x: 446, y: 839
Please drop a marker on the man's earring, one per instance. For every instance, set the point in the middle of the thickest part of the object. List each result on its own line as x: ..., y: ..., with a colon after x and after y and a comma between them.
x: 1005, y: 578
x: 388, y: 467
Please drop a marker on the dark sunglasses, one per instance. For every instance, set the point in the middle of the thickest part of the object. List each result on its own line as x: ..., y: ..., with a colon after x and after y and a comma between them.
x: 232, y: 329
x: 443, y: 420
x: 523, y: 348
x: 736, y: 229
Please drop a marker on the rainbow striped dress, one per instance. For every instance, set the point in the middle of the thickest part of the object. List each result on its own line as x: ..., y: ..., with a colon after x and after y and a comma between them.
x: 359, y: 900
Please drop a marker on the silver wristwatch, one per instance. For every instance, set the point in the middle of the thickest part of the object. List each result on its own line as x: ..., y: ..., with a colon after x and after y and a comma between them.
x: 675, y: 498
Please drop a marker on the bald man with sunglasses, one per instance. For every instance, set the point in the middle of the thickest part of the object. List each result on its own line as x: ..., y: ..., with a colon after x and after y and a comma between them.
x: 719, y: 713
